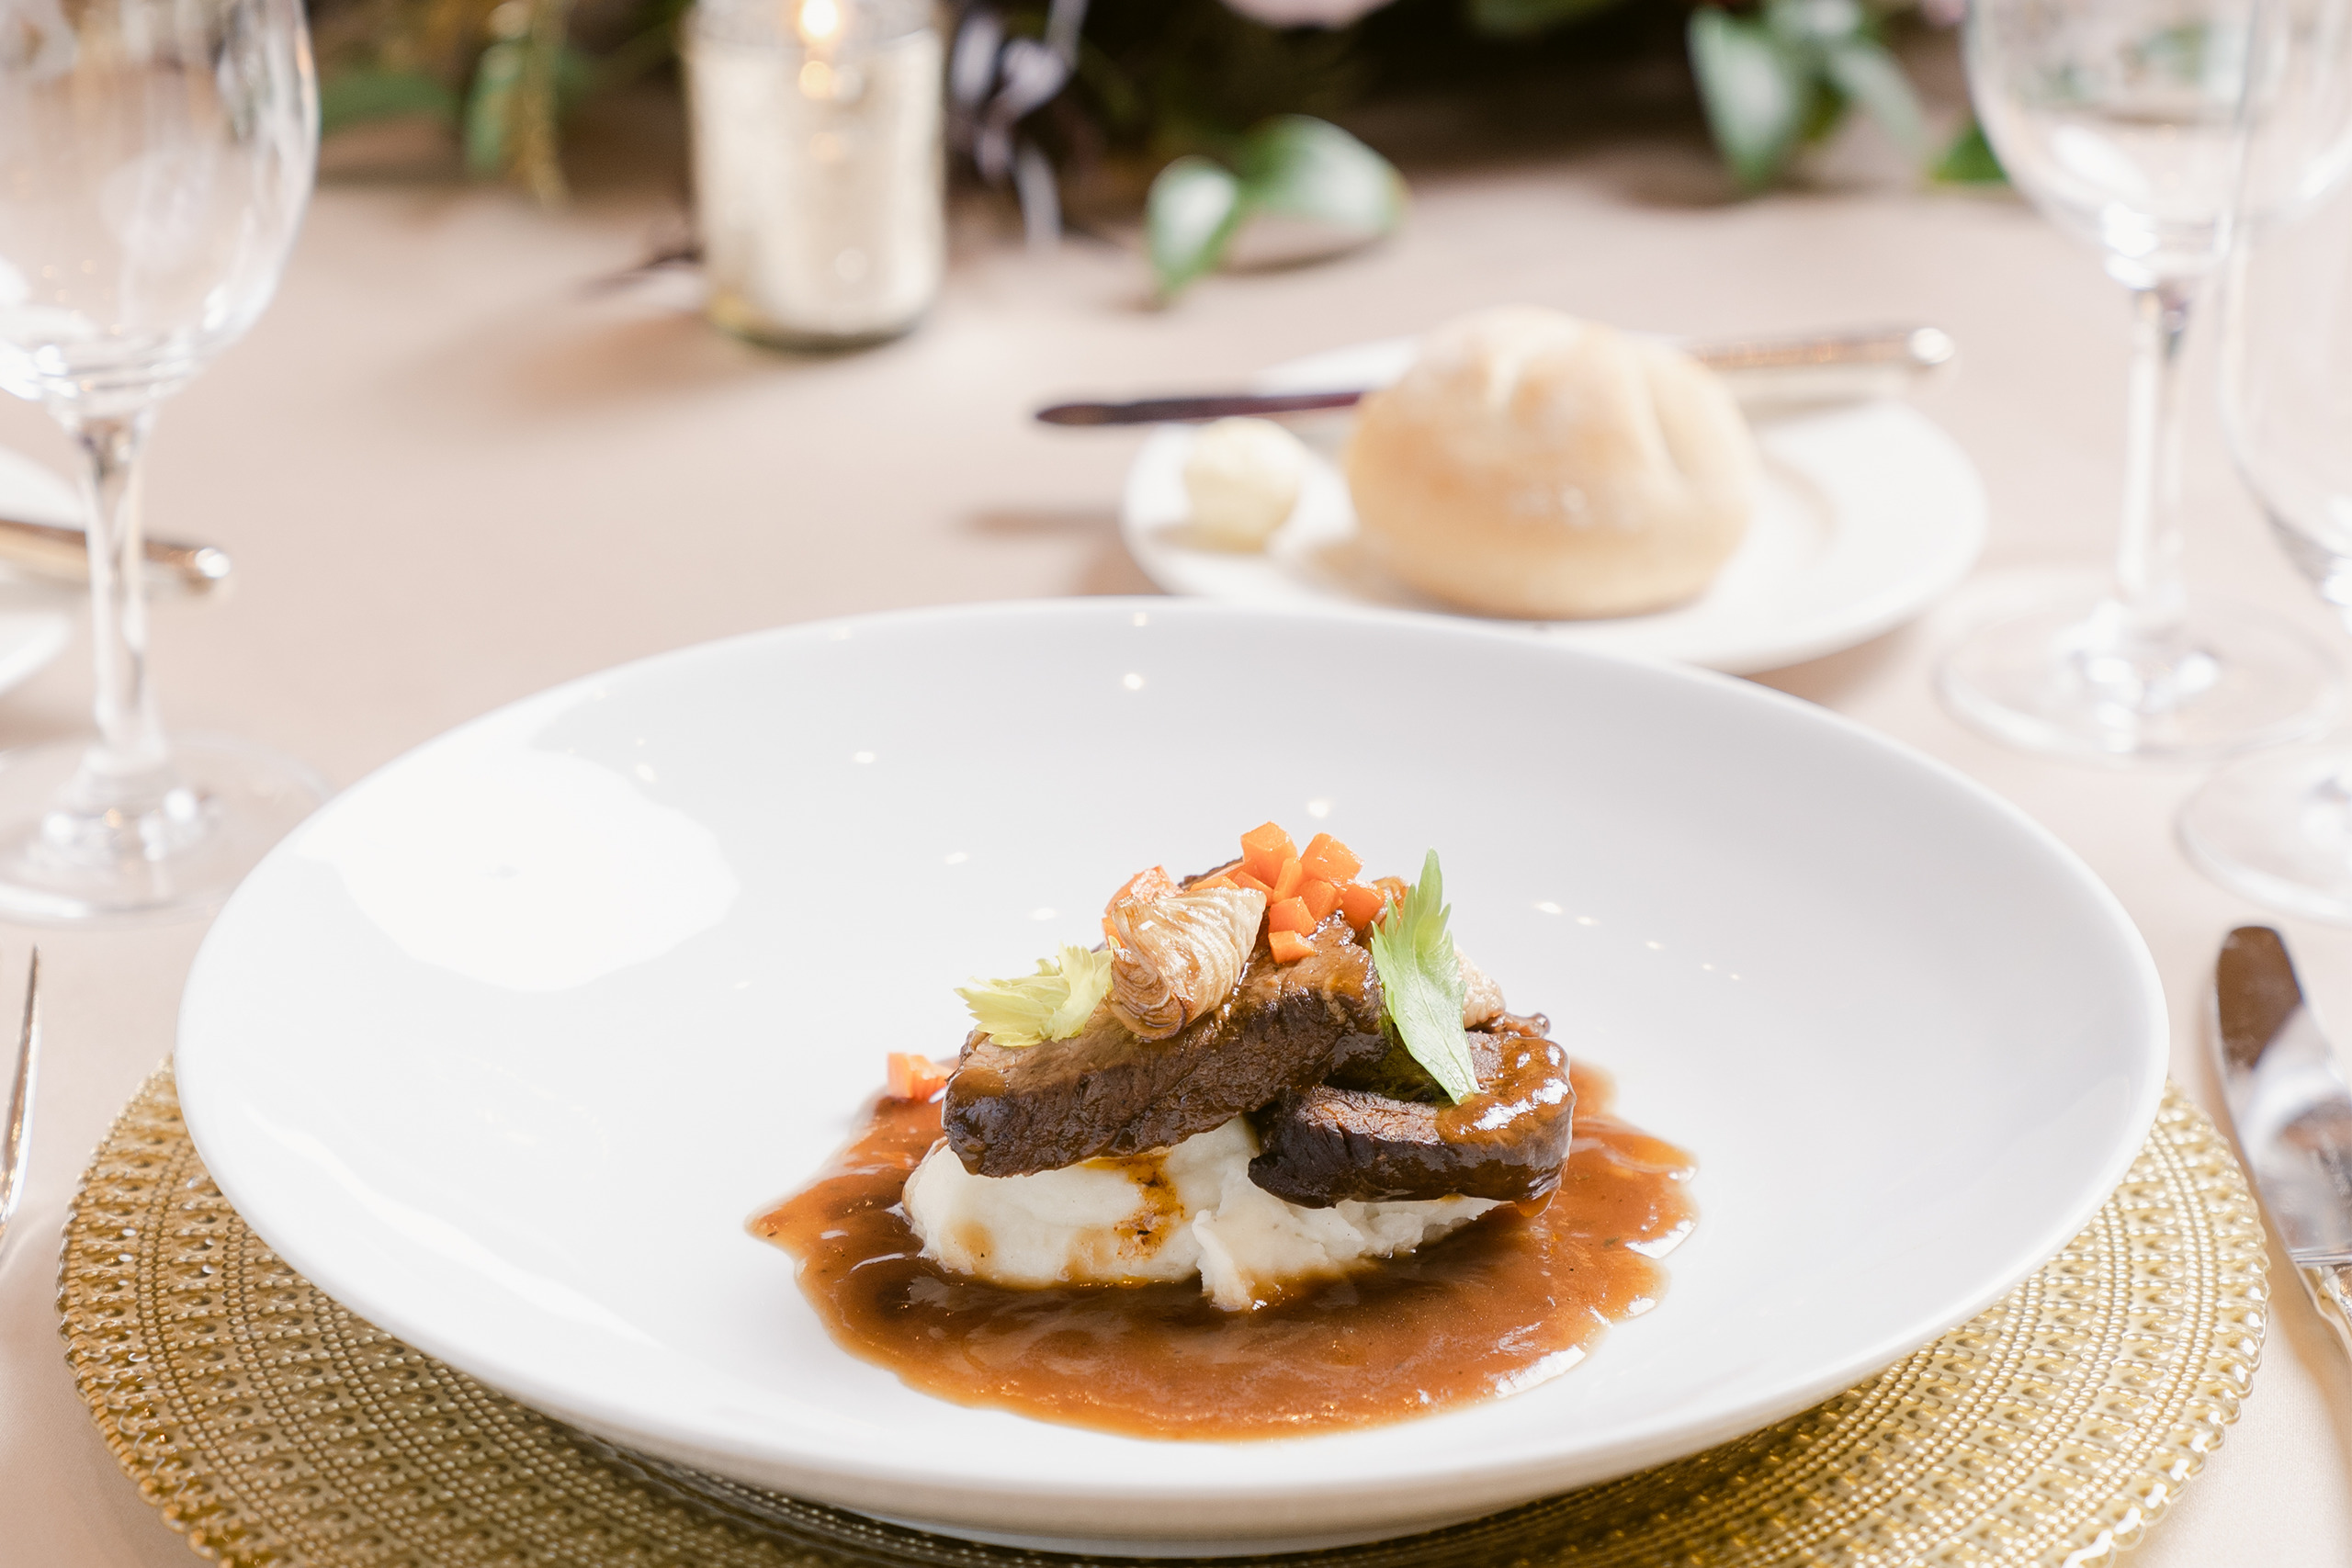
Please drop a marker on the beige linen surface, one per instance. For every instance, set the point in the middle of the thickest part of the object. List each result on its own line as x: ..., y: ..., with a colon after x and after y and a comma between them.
x: 450, y: 476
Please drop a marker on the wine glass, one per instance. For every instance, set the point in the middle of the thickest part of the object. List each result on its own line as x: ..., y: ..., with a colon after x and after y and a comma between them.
x: 154, y: 159
x: 2116, y: 116
x: 2278, y: 827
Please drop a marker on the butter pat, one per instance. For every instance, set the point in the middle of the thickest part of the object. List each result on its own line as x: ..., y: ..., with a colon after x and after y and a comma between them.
x: 1242, y: 477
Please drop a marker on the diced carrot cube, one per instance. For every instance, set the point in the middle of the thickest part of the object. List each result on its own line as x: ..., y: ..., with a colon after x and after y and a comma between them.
x: 911, y: 1076
x: 1289, y: 879
x: 1289, y: 947
x: 1322, y: 899
x: 1362, y: 903
x: 1328, y: 858
x: 1263, y: 849
x: 1243, y: 879
x: 1290, y: 915
x: 1218, y: 880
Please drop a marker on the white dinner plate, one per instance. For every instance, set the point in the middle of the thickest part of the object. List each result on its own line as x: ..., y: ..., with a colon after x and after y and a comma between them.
x: 504, y: 1046
x: 36, y: 617
x: 1869, y: 514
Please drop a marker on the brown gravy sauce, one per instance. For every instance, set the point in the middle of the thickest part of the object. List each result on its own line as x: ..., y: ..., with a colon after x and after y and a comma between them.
x: 1498, y: 1307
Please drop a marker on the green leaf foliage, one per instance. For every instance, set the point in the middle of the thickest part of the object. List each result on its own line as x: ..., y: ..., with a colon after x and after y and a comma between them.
x: 1784, y: 76
x: 1189, y: 219
x: 1867, y: 75
x: 355, y: 98
x: 1970, y: 160
x: 490, y: 107
x: 1757, y: 92
x: 1420, y: 976
x: 1293, y: 165
x: 1803, y: 24
x: 1310, y: 168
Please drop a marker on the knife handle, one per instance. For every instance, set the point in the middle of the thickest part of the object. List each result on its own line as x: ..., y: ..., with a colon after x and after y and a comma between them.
x: 2330, y: 1285
x: 62, y: 554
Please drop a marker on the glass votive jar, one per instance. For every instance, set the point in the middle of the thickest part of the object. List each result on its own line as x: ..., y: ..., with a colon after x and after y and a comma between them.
x: 818, y: 165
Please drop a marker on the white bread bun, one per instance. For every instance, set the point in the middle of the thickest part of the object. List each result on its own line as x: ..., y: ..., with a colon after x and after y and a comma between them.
x: 1531, y: 464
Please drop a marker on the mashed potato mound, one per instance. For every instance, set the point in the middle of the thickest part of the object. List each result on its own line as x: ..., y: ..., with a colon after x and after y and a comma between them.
x: 1169, y: 1214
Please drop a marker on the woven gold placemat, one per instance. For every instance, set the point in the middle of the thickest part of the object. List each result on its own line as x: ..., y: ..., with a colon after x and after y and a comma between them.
x: 275, y: 1428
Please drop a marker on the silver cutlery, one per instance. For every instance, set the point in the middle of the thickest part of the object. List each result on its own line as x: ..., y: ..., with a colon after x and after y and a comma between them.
x: 1820, y: 368
x: 16, y: 1135
x: 61, y: 554
x: 2292, y: 1111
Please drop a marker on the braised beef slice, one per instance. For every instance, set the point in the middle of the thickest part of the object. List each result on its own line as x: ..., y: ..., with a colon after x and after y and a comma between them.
x: 1397, y: 1075
x: 1011, y: 1111
x: 1506, y: 1141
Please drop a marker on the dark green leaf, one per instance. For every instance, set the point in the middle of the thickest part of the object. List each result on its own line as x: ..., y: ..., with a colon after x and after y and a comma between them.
x: 1522, y: 18
x: 1805, y: 25
x: 1970, y: 160
x: 1189, y: 219
x: 1310, y: 168
x: 576, y: 77
x: 353, y: 97
x: 490, y: 108
x: 1871, y: 77
x: 1756, y: 92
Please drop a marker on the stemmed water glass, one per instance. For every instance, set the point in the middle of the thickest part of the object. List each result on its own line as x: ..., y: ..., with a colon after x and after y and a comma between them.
x: 154, y: 159
x: 2277, y: 826
x: 2116, y: 117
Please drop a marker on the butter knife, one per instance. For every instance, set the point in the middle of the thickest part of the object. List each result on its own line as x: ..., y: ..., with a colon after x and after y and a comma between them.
x: 2293, y: 1111
x: 57, y: 553
x: 1823, y: 368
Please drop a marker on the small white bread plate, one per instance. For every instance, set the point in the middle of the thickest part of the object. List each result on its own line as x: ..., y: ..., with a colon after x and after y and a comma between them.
x: 505, y: 1045
x: 1869, y: 514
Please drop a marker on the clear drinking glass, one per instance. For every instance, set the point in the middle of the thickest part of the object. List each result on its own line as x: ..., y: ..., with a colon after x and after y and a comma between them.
x: 154, y: 159
x: 2278, y: 827
x: 2116, y: 117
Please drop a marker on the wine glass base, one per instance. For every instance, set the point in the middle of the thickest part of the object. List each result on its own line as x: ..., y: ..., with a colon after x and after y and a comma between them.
x: 2278, y: 829
x: 234, y: 802
x: 2050, y: 680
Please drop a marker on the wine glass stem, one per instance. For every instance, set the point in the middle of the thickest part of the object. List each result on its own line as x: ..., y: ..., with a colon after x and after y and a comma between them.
x: 130, y: 765
x: 2147, y: 559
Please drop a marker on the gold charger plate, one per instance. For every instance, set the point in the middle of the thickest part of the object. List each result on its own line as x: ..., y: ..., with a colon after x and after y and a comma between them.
x: 275, y: 1428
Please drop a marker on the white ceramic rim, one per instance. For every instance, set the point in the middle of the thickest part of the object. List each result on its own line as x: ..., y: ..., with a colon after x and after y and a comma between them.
x: 872, y: 1486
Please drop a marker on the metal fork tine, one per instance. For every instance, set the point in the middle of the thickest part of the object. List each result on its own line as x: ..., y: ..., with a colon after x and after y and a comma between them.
x: 15, y: 1136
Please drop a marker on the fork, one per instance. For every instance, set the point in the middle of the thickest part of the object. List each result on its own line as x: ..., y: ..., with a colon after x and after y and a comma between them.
x: 15, y: 1134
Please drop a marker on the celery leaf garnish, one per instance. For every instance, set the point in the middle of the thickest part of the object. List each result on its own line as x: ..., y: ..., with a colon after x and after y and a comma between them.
x: 1421, y: 977
x: 1052, y: 1004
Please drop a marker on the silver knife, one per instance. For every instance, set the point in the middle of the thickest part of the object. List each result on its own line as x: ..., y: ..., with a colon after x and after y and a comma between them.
x: 2293, y: 1111
x: 61, y: 554
x: 16, y: 1130
x: 1827, y: 367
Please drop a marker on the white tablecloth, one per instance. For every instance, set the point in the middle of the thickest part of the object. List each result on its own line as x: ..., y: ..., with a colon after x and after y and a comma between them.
x: 450, y: 476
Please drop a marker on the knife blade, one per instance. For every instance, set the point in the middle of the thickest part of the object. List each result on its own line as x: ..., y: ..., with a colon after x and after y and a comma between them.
x: 2292, y: 1111
x: 1820, y: 368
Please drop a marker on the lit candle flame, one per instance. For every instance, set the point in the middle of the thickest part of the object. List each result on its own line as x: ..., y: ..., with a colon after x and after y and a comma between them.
x: 819, y: 22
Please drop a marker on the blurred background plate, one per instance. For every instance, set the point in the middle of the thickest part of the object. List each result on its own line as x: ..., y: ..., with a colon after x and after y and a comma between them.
x: 36, y: 617
x: 504, y: 1047
x: 1869, y: 514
